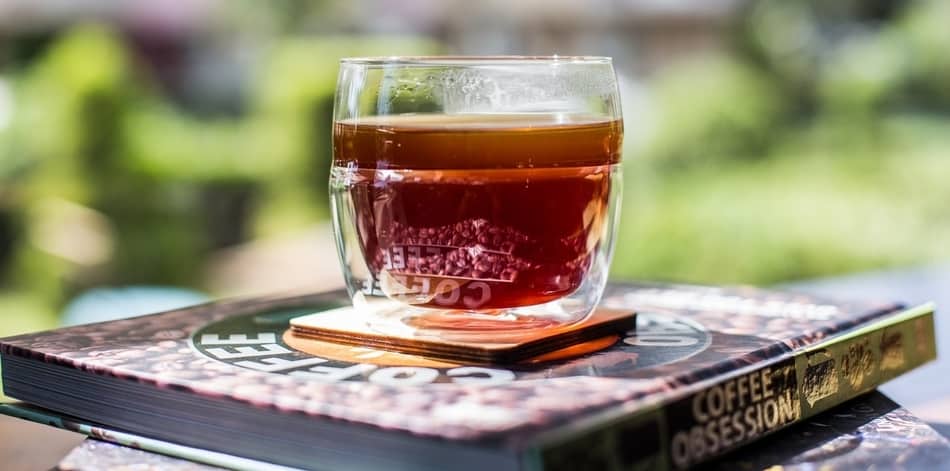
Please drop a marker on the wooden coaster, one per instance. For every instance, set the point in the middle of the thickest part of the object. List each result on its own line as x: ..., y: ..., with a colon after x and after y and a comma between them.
x: 347, y: 326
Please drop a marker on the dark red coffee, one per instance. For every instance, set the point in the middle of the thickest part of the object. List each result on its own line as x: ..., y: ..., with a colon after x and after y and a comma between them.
x: 477, y: 211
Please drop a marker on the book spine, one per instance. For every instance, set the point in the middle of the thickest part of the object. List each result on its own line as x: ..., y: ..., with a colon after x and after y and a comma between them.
x: 727, y: 413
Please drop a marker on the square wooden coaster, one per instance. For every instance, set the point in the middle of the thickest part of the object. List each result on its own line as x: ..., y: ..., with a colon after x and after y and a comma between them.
x: 347, y: 326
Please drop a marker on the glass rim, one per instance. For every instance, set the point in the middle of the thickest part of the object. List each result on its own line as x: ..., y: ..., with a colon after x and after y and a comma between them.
x: 473, y: 60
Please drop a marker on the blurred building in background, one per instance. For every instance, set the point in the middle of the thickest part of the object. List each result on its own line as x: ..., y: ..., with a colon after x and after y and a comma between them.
x: 186, y: 143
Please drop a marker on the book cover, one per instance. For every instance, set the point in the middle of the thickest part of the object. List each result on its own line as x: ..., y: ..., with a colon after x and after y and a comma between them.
x: 870, y: 431
x: 706, y: 370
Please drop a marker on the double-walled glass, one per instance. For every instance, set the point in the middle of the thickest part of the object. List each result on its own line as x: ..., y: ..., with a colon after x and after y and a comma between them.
x: 475, y: 197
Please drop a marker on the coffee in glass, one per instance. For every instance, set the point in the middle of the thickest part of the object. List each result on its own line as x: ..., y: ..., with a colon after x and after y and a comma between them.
x: 476, y: 195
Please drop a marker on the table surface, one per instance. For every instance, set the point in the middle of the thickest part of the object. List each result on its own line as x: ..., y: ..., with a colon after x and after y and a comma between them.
x: 925, y: 392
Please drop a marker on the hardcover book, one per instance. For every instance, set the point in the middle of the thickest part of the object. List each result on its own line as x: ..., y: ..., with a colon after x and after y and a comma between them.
x: 868, y: 432
x: 704, y: 371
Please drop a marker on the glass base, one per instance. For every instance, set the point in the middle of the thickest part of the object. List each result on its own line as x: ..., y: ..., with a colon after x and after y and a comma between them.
x: 496, y: 326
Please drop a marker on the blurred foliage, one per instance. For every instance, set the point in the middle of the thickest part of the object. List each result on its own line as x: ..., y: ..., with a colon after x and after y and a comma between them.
x: 21, y: 313
x: 819, y: 145
x: 924, y: 30
x: 732, y: 114
x: 104, y: 180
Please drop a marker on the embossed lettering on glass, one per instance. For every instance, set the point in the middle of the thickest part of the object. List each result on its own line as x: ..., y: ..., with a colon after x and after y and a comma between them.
x: 475, y: 196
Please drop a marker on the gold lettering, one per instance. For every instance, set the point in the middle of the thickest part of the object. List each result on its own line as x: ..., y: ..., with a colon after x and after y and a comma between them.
x: 680, y: 449
x: 725, y: 430
x: 738, y: 426
x: 698, y: 407
x: 712, y: 445
x: 754, y: 388
x: 788, y: 409
x: 750, y: 420
x: 767, y: 382
x: 758, y: 416
x: 730, y: 395
x: 714, y: 401
x: 771, y: 414
x: 697, y: 442
x: 743, y: 387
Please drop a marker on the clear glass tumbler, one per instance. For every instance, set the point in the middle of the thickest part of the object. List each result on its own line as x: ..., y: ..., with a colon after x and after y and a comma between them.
x: 475, y: 197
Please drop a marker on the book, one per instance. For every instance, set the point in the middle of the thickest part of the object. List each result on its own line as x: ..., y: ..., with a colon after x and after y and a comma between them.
x: 705, y: 371
x: 870, y: 431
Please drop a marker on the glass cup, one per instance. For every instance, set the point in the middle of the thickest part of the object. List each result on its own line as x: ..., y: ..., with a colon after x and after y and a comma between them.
x: 475, y: 197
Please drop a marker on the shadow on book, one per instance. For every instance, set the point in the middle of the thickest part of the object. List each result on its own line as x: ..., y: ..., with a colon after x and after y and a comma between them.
x: 868, y: 432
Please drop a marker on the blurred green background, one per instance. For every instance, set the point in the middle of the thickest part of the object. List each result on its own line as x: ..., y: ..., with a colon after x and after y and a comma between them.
x: 186, y: 144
